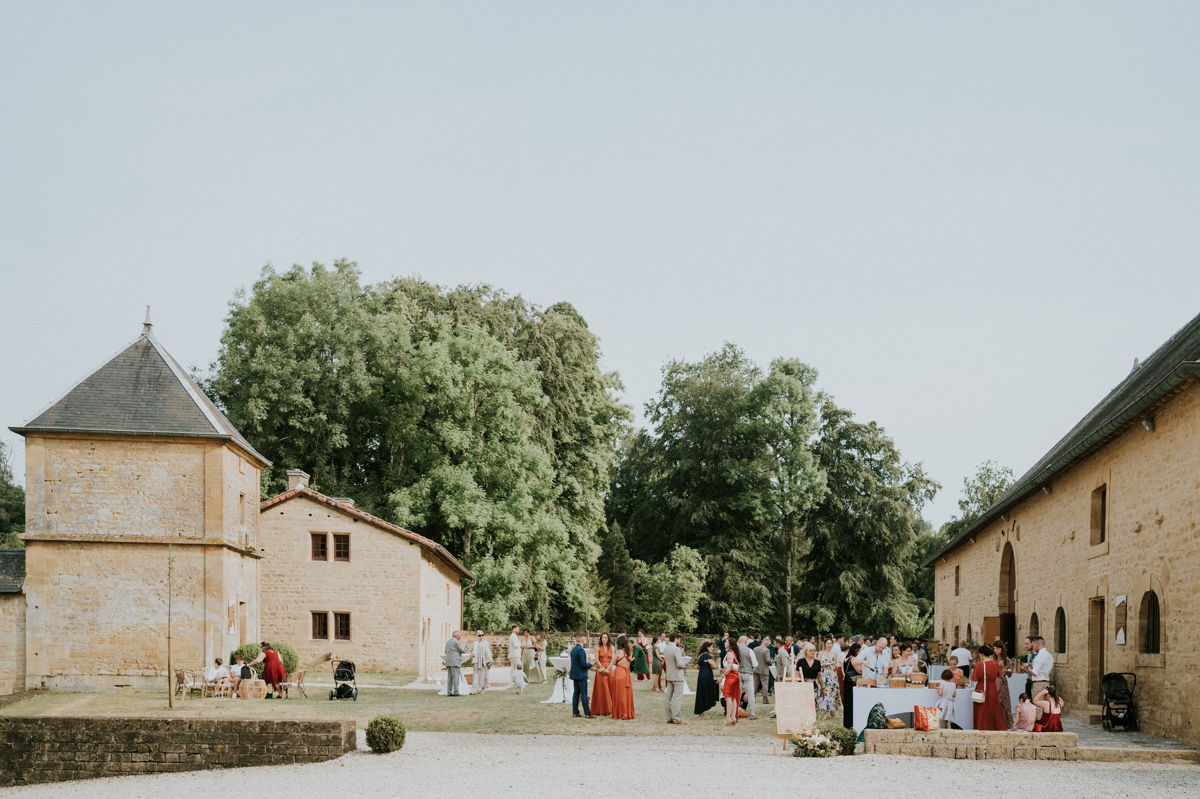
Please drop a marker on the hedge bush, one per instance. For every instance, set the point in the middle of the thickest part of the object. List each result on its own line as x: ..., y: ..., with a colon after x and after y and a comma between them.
x: 845, y: 737
x: 291, y: 661
x: 385, y: 734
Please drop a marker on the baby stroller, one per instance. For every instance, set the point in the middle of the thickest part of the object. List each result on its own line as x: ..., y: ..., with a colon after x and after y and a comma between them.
x: 344, y: 686
x: 1119, y: 709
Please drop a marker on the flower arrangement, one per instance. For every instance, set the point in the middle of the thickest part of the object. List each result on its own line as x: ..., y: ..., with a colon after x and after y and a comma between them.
x: 815, y: 744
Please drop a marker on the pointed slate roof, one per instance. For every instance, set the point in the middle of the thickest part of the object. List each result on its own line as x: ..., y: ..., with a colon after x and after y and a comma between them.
x: 141, y: 390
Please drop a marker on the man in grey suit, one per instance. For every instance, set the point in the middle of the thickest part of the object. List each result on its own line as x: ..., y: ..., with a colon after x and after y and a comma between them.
x: 454, y: 660
x: 762, y: 672
x: 746, y: 664
x: 673, y: 664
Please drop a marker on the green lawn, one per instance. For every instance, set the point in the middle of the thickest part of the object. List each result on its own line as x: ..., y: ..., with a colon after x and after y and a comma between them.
x: 494, y: 711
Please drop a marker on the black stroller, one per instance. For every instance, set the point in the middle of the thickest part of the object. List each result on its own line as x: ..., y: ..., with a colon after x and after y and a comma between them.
x: 1119, y: 710
x: 344, y: 686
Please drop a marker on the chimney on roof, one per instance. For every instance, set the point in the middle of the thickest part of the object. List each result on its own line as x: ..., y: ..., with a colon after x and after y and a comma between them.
x: 297, y: 479
x: 146, y: 325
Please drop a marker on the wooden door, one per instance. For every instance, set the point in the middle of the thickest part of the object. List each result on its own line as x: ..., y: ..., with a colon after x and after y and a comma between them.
x: 991, y: 629
x: 1095, y: 649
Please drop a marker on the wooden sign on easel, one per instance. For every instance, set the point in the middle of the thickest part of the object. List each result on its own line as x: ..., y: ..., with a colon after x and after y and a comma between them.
x: 795, y: 710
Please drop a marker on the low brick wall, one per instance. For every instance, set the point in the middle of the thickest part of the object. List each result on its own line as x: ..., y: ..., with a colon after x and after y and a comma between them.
x: 973, y: 745
x: 51, y: 749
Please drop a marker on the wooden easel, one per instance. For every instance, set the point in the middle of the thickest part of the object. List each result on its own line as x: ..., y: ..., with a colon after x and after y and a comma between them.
x: 792, y: 697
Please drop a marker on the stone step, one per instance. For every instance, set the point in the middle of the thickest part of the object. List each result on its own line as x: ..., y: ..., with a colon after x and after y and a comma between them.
x: 1090, y: 714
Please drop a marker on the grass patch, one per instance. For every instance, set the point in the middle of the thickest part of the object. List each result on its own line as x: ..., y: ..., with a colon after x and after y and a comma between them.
x: 421, y: 710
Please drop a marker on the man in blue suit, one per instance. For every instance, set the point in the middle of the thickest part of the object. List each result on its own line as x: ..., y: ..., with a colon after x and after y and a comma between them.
x: 579, y: 676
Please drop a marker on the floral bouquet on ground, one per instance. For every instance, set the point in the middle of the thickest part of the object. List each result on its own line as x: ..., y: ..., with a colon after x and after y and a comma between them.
x: 815, y: 744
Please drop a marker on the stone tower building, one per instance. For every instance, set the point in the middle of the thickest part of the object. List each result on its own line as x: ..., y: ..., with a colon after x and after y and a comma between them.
x: 1095, y: 549
x: 133, y: 466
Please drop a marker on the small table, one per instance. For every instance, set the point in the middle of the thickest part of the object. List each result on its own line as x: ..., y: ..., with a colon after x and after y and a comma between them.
x: 560, y: 695
x: 252, y: 689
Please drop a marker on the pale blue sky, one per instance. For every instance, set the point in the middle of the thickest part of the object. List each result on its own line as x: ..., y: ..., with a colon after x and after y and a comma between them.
x: 969, y: 217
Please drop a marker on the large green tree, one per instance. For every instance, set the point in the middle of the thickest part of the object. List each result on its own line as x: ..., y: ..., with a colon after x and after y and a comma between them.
x: 12, y: 504
x: 697, y: 479
x: 784, y: 417
x: 862, y: 533
x: 468, y: 415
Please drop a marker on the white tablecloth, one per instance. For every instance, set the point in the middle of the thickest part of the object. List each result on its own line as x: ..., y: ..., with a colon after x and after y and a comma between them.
x: 561, y: 694
x: 903, y: 700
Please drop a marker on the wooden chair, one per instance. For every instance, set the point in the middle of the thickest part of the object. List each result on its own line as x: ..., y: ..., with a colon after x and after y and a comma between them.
x: 191, y: 683
x: 298, y: 682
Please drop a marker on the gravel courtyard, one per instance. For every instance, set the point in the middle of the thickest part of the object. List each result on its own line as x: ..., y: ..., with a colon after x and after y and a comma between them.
x: 535, y: 766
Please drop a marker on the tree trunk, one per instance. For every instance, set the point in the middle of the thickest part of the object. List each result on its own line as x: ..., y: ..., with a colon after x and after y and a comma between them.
x: 787, y: 545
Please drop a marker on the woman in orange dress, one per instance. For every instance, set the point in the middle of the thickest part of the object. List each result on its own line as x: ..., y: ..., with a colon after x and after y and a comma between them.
x: 602, y: 689
x: 621, y: 682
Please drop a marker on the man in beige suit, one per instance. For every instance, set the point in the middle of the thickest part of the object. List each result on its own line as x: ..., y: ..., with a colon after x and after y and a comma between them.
x: 673, y: 664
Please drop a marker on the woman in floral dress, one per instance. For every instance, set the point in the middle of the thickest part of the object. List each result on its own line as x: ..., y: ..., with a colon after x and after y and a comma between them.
x: 829, y: 699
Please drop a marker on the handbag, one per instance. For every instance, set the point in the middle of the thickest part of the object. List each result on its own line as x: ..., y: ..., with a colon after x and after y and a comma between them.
x: 927, y: 718
x: 977, y: 697
x: 895, y: 724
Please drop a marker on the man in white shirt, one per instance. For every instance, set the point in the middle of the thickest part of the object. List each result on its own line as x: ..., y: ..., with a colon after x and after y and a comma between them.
x: 216, y: 673
x: 1039, y: 669
x: 514, y: 655
x: 877, y: 660
x: 964, y: 657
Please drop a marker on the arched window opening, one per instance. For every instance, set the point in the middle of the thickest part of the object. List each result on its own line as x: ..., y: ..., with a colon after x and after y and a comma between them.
x: 1151, y: 625
x: 1035, y: 628
x: 1060, y: 631
x: 970, y: 637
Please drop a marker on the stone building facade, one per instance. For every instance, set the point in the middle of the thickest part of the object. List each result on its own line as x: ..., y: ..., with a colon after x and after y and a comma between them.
x: 132, y: 467
x: 1096, y: 548
x: 12, y: 621
x: 336, y: 581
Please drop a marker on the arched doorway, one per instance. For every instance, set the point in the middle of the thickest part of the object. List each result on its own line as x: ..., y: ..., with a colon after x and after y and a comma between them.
x: 1008, y: 599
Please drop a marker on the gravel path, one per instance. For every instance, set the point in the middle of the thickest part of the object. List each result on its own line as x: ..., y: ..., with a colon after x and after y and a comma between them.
x: 536, y: 766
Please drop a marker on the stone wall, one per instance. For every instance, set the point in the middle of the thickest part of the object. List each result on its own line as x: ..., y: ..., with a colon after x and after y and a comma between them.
x: 973, y: 745
x: 43, y: 749
x: 12, y: 643
x: 1152, y: 543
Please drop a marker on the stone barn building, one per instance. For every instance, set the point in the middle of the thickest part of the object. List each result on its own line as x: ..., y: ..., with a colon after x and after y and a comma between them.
x: 339, y: 582
x: 1096, y: 549
x: 130, y: 467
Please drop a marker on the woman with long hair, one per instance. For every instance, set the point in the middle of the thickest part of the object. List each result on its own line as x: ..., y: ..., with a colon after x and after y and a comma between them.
x: 1051, y: 705
x: 829, y: 698
x: 1005, y: 666
x: 622, y: 682
x: 988, y: 715
x: 731, y: 686
x: 602, y: 688
x: 707, y: 692
x: 641, y: 658
x: 852, y: 666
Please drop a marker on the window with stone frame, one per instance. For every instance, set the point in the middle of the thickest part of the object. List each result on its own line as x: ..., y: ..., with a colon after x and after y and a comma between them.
x: 320, y: 624
x: 1099, y: 520
x: 1060, y: 631
x: 956, y: 584
x: 341, y: 626
x: 341, y: 547
x: 1035, y: 627
x: 320, y: 546
x: 1151, y: 624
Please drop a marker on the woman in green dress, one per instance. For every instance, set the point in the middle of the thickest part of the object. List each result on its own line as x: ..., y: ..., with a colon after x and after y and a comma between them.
x: 641, y: 664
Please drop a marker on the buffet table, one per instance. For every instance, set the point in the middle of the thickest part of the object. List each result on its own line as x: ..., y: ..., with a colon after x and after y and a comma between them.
x: 903, y: 700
